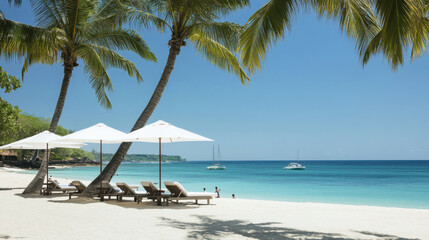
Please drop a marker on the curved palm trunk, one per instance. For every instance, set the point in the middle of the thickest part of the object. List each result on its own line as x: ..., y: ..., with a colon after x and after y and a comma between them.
x: 36, y: 184
x: 68, y: 69
x: 111, y: 168
x: 34, y: 157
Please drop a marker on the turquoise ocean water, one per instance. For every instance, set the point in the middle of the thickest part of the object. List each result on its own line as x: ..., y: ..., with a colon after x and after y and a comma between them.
x: 377, y: 183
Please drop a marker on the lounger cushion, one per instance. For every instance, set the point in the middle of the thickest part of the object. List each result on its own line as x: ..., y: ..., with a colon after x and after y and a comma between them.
x: 55, y: 182
x: 127, y: 189
x: 108, y: 185
x: 79, y: 185
x: 140, y: 192
x: 192, y: 194
x: 149, y: 186
x: 66, y: 187
x: 58, y: 186
x: 182, y: 190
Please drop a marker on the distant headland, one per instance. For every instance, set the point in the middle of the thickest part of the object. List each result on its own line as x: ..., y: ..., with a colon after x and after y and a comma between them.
x: 141, y: 157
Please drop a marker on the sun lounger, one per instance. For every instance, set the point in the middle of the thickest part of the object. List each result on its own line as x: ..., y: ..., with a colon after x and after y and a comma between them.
x: 149, y: 187
x: 128, y: 191
x: 107, y: 190
x: 154, y: 192
x: 55, y: 186
x: 79, y: 186
x: 178, y: 192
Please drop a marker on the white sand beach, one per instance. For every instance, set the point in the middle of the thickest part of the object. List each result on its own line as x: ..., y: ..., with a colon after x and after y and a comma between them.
x: 57, y: 217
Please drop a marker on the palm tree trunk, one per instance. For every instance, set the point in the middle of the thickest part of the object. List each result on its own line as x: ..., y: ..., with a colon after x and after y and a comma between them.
x: 68, y: 69
x: 36, y: 184
x: 34, y: 157
x: 111, y: 168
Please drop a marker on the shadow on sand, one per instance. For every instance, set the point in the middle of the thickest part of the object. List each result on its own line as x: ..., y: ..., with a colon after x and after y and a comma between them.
x: 2, y: 236
x: 125, y: 203
x: 53, y: 196
x: 128, y: 203
x: 210, y: 229
x: 384, y: 236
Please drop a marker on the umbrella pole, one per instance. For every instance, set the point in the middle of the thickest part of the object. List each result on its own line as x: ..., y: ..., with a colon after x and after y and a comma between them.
x: 159, y: 163
x: 101, y: 168
x: 47, y: 168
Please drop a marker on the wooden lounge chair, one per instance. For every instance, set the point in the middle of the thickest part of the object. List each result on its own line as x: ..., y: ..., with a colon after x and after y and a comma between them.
x: 55, y: 186
x: 153, y: 192
x: 107, y: 190
x: 79, y: 186
x: 128, y: 191
x: 149, y: 187
x: 178, y: 192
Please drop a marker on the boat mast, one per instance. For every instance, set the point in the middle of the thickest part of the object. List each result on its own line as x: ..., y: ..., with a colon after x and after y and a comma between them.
x: 297, y: 154
x: 213, y: 159
x: 218, y: 153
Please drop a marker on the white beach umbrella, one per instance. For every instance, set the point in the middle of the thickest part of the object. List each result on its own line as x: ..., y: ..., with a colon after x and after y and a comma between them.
x: 162, y: 132
x: 39, y: 141
x: 98, y: 133
x: 44, y: 140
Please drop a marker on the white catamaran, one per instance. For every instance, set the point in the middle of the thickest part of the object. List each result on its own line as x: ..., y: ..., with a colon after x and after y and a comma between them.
x: 216, y: 166
x: 295, y: 166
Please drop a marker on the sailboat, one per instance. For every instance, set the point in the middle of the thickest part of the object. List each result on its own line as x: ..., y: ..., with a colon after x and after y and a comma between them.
x: 216, y: 166
x: 295, y: 166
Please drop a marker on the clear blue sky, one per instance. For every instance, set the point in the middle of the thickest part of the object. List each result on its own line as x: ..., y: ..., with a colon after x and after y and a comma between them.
x: 312, y: 94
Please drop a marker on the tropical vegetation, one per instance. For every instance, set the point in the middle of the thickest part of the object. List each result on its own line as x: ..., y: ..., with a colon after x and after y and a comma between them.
x: 140, y: 157
x: 189, y: 22
x: 378, y: 26
x: 69, y: 31
x: 8, y: 113
x: 26, y: 125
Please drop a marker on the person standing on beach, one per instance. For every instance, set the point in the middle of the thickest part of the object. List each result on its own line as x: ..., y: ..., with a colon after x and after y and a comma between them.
x: 217, y: 190
x: 204, y: 190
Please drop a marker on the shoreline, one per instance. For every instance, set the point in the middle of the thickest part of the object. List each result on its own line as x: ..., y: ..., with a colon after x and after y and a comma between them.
x: 224, y: 218
x: 67, y: 180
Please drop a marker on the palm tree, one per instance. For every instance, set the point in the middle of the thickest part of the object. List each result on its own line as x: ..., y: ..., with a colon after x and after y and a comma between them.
x: 404, y: 24
x: 378, y: 26
x: 186, y: 20
x: 67, y: 31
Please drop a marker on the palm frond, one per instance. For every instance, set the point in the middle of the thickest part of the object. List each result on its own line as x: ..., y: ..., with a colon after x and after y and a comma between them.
x: 21, y: 40
x: 264, y: 28
x: 121, y: 39
x: 219, y: 55
x: 107, y: 14
x: 140, y: 13
x: 77, y: 15
x: 146, y: 19
x: 226, y: 33
x: 99, y: 79
x: 355, y: 17
x: 420, y: 31
x: 110, y: 58
x: 227, y: 6
x: 49, y: 13
x: 39, y: 58
x: 396, y: 19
